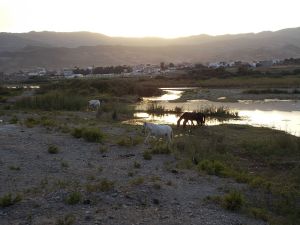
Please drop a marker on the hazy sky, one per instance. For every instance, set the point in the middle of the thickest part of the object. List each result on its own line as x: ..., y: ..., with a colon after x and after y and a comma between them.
x: 163, y: 18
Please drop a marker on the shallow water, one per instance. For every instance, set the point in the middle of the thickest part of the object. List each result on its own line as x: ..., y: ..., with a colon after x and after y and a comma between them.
x: 273, y: 113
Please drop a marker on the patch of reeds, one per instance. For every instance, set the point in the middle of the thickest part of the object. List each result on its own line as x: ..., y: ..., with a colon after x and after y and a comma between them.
x: 53, y: 101
x: 219, y: 112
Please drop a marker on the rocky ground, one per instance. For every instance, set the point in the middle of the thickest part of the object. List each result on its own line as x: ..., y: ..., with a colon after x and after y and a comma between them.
x: 143, y: 191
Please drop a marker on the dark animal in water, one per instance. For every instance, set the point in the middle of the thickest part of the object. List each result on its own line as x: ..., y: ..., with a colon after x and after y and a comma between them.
x: 191, y: 116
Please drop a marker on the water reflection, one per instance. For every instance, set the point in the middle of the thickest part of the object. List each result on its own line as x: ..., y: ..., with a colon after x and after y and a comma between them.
x: 273, y: 113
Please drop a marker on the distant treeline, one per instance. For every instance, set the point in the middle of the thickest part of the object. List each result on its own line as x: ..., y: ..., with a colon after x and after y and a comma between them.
x: 104, y: 70
x: 203, y: 72
x: 291, y: 61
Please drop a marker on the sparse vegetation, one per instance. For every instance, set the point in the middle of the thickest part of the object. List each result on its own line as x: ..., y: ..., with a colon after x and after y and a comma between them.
x: 9, y: 200
x: 136, y: 165
x: 14, y: 120
x: 104, y: 185
x: 90, y: 134
x: 73, y: 198
x: 17, y: 168
x: 219, y: 112
x: 137, y: 181
x: 129, y: 141
x: 52, y: 149
x: 147, y: 155
x: 66, y: 220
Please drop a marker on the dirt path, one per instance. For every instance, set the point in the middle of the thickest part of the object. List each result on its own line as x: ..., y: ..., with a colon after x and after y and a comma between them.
x: 155, y: 193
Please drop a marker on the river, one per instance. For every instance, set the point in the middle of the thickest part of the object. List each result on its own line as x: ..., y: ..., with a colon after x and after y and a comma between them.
x: 276, y: 114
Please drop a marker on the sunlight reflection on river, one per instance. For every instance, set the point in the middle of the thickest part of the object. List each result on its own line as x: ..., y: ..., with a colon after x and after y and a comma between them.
x: 273, y: 113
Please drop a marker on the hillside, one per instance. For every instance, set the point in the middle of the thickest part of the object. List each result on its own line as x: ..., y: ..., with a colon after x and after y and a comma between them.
x: 56, y: 50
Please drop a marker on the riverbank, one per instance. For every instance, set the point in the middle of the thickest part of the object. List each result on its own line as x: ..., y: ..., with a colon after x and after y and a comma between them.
x: 237, y: 94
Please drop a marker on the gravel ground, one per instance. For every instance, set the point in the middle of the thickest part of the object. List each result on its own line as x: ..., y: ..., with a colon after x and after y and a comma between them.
x: 166, y: 196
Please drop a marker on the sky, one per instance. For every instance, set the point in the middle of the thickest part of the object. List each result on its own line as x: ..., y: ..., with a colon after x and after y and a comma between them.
x: 141, y: 18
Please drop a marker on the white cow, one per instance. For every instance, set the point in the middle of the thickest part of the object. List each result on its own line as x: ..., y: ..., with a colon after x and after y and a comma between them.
x: 157, y: 130
x: 94, y: 104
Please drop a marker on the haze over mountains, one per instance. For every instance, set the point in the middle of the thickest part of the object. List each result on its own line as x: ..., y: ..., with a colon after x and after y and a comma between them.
x: 68, y: 49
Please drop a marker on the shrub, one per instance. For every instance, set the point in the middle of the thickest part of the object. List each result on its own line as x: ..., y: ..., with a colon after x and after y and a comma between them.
x: 137, y: 181
x: 14, y: 168
x: 31, y: 122
x: 52, y: 149
x: 161, y: 148
x: 136, y: 165
x: 234, y: 200
x: 77, y: 132
x: 8, y: 200
x: 213, y: 167
x: 103, y: 186
x: 66, y: 220
x: 129, y: 141
x: 73, y: 198
x: 14, y: 120
x: 147, y: 155
x: 92, y: 134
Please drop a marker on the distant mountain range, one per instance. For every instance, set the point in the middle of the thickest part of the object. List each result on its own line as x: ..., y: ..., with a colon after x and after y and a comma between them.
x: 68, y: 49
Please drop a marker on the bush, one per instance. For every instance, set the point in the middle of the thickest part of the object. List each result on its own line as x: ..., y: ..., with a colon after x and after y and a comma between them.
x: 147, y: 155
x: 66, y: 220
x: 129, y: 141
x: 77, y: 132
x: 161, y: 148
x: 53, y: 149
x: 136, y: 165
x: 233, y: 200
x: 31, y: 122
x: 213, y: 167
x: 103, y: 186
x: 8, y: 200
x: 91, y: 134
x: 137, y: 181
x: 73, y: 198
x: 14, y: 120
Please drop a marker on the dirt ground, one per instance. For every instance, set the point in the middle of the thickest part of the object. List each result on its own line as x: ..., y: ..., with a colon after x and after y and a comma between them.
x: 155, y: 193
